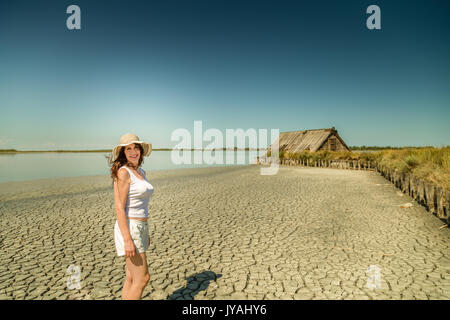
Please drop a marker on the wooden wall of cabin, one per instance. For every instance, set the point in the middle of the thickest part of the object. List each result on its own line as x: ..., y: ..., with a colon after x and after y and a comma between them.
x: 333, y: 144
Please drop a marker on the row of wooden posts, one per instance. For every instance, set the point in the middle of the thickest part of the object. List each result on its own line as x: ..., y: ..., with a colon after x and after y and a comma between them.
x: 433, y: 197
x: 339, y: 164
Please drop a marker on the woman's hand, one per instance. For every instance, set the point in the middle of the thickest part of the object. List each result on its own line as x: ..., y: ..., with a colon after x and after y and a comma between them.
x: 130, y: 249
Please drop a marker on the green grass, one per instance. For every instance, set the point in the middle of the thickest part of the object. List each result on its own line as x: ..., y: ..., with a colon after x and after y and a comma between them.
x: 428, y: 163
x: 383, y: 148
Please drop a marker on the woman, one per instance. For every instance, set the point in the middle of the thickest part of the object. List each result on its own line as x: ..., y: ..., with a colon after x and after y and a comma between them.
x: 132, y: 192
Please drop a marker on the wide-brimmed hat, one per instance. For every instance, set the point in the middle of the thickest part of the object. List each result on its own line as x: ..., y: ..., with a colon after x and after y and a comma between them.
x: 127, y: 139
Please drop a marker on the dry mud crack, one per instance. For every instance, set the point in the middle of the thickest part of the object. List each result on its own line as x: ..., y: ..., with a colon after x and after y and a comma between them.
x: 227, y: 233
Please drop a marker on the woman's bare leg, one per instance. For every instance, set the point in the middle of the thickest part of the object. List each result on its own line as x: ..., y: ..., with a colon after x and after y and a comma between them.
x: 127, y: 283
x: 137, y: 266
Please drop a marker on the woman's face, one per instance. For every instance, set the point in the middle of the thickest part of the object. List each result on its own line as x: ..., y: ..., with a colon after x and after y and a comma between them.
x: 133, y: 153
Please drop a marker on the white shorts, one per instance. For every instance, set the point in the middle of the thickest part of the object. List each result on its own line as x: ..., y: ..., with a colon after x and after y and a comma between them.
x: 139, y: 234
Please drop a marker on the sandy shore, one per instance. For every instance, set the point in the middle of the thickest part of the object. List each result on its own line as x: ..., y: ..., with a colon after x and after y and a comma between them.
x: 227, y: 232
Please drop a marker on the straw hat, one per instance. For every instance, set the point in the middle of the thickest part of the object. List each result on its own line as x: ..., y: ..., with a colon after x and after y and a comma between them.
x: 127, y: 139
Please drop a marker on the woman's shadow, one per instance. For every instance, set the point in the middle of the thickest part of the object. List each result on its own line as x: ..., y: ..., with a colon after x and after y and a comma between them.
x: 195, y: 284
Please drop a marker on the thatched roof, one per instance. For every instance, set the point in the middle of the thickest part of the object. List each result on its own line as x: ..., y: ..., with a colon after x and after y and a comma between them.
x: 312, y: 140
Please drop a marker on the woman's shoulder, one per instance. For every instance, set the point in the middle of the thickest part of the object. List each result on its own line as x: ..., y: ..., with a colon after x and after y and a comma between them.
x: 123, y: 167
x: 123, y: 173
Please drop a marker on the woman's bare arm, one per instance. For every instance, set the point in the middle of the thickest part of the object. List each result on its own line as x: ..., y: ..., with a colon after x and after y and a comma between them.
x: 121, y: 187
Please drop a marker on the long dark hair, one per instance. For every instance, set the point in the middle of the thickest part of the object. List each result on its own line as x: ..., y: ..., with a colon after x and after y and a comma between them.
x: 122, y: 160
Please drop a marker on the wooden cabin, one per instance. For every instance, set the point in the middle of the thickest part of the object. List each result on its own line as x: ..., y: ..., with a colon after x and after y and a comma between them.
x: 311, y: 140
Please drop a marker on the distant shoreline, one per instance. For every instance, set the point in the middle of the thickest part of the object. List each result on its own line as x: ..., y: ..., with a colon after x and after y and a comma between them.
x: 14, y: 151
x: 352, y: 148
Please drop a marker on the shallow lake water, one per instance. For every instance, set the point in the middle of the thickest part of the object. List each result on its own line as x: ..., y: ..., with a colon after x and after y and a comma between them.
x: 29, y: 166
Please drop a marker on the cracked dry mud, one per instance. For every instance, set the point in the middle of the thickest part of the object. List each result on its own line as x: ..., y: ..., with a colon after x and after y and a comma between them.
x: 226, y: 233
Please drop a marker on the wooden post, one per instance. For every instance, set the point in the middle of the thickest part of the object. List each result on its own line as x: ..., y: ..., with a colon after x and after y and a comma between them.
x: 421, y: 191
x: 446, y: 201
x: 412, y: 186
x: 432, y: 197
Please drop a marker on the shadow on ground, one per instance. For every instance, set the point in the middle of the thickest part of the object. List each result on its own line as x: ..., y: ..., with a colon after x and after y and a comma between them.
x: 195, y: 284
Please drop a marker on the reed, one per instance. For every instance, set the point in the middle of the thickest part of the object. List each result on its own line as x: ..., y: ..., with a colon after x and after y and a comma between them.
x: 428, y: 163
x: 431, y: 164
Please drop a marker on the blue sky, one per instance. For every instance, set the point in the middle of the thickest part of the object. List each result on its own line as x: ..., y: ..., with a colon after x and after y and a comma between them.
x: 150, y: 67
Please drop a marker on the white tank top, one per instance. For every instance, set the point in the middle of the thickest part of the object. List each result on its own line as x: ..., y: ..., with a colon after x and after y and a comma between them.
x: 138, y: 195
